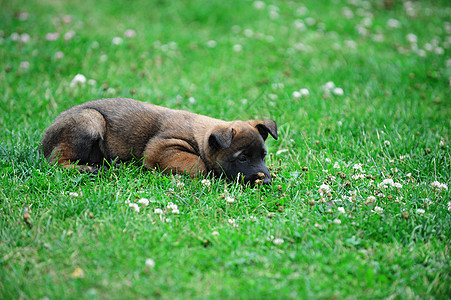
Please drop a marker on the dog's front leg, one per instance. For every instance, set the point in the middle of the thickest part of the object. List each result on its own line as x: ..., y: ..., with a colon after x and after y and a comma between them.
x: 173, y: 156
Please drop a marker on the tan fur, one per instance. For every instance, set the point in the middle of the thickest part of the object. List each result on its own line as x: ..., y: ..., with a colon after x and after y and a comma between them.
x: 172, y: 141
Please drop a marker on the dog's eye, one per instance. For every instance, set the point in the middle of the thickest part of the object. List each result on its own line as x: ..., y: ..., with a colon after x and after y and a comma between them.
x: 242, y: 158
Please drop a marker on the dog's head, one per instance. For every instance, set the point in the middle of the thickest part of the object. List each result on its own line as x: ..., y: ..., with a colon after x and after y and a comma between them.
x: 238, y: 149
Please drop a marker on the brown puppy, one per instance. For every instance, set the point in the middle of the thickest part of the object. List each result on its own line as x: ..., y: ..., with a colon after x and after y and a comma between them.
x: 173, y: 141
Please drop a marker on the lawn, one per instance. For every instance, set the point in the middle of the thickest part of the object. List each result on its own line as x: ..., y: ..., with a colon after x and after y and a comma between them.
x: 359, y: 207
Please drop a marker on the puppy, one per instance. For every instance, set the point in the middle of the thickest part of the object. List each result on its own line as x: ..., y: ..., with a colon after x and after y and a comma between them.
x: 173, y: 141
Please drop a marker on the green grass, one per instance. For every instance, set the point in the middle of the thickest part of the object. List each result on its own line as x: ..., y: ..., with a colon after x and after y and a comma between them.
x: 393, y: 118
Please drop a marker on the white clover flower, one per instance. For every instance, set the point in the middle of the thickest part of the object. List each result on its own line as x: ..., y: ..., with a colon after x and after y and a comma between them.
x: 357, y: 167
x: 439, y: 51
x: 341, y: 210
x: 248, y: 32
x: 329, y: 86
x: 73, y: 194
x: 421, y: 53
x: 117, y: 40
x: 280, y: 85
x: 259, y: 5
x: 327, y: 160
x: 299, y: 24
x: 393, y: 23
x: 442, y: 143
x: 297, y: 95
x: 215, y: 233
x: 69, y: 35
x: 310, y: 21
x: 192, y: 100
x: 230, y: 199
x: 175, y: 211
x: 301, y: 11
x: 206, y: 182
x: 304, y: 92
x: 371, y: 199
x: 420, y: 211
x: 273, y: 96
x: 347, y: 13
x: 377, y: 210
x: 412, y: 38
x: 59, y: 55
x: 358, y: 176
x: 237, y: 48
x: 24, y: 65
x: 351, y: 44
x: 211, y: 44
x: 66, y: 19
x: 387, y: 143
x: 129, y: 33
x: 336, y: 165
x: 324, y: 189
x: 15, y: 36
x: 367, y: 22
x: 24, y: 38
x: 435, y: 185
x: 172, y: 206
x: 231, y: 221
x: 253, y: 218
x: 397, y: 185
x: 387, y: 182
x: 337, y: 221
x: 23, y: 16
x: 273, y: 14
x: 449, y: 205
x: 79, y: 79
x: 103, y: 58
x: 362, y: 30
x: 158, y: 211
x: 52, y: 36
x: 92, y: 82
x: 379, y: 37
x: 150, y: 263
x: 134, y: 206
x: 278, y: 241
x: 143, y: 201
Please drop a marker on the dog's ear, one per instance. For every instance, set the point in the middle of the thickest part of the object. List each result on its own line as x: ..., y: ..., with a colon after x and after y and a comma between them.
x: 264, y: 127
x: 221, y: 138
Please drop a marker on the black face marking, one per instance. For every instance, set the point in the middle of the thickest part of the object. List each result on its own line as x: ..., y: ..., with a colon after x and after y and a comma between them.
x: 246, y: 158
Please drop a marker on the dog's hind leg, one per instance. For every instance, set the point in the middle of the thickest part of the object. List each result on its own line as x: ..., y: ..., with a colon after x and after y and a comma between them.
x: 76, y: 137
